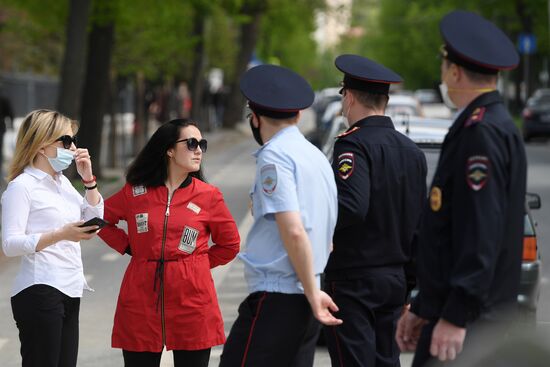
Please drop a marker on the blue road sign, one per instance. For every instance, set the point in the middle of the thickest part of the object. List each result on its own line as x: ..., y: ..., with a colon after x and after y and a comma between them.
x: 527, y: 43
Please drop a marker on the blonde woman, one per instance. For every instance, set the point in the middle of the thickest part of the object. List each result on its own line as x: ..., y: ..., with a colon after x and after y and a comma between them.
x: 41, y: 214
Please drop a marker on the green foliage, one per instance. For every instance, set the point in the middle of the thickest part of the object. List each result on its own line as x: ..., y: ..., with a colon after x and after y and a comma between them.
x: 286, y: 36
x: 221, y: 39
x: 404, y: 35
x: 154, y: 38
x: 31, y: 37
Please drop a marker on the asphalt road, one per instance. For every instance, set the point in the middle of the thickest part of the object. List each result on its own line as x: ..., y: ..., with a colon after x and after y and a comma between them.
x: 230, y: 166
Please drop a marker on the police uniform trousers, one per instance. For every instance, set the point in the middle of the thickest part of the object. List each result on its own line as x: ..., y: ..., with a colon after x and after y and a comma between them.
x: 370, y: 302
x: 272, y: 330
x: 47, y: 320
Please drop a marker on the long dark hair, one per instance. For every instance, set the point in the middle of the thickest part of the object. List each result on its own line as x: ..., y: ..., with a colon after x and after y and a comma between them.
x: 150, y: 168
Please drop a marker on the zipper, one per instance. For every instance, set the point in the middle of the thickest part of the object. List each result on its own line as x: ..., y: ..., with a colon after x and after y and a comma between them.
x: 166, y: 215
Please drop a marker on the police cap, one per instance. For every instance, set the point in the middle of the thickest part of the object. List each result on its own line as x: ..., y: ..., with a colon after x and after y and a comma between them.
x: 475, y: 43
x: 275, y: 91
x: 366, y: 75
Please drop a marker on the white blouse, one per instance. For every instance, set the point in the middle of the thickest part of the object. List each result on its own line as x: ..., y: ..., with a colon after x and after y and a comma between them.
x: 33, y: 204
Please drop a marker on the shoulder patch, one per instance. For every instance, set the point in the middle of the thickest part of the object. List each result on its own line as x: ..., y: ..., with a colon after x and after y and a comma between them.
x: 268, y: 177
x: 477, y: 171
x: 346, y: 163
x: 475, y: 117
x: 346, y: 133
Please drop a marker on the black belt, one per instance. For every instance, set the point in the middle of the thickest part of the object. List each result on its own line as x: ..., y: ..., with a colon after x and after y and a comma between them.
x: 159, y: 278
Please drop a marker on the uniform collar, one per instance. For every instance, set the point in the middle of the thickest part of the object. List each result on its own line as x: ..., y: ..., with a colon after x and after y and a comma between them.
x: 289, y: 130
x: 482, y: 100
x: 374, y: 121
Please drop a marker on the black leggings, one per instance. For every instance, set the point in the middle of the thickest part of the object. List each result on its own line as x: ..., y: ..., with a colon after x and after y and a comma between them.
x: 182, y: 358
x: 48, y: 326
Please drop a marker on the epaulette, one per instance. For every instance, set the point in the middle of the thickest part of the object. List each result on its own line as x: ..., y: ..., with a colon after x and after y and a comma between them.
x: 475, y: 117
x: 346, y: 133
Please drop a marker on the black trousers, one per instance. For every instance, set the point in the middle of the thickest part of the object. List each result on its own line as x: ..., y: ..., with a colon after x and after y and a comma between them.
x: 369, y: 308
x: 272, y: 329
x: 47, y: 320
x: 182, y: 358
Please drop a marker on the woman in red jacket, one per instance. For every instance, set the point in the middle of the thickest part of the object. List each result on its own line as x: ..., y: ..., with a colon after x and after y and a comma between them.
x: 167, y: 297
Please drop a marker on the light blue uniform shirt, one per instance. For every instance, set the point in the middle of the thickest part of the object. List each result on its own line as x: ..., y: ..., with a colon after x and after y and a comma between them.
x: 291, y: 175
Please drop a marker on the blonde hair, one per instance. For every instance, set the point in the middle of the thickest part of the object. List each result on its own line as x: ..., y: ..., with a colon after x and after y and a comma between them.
x: 40, y: 128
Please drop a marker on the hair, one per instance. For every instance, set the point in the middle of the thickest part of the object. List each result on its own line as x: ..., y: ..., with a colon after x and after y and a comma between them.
x: 150, y: 168
x: 373, y: 101
x: 475, y: 77
x: 40, y: 128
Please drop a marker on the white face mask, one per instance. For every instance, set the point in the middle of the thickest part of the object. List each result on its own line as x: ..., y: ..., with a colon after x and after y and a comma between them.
x: 445, y: 95
x: 63, y: 159
x: 344, y: 114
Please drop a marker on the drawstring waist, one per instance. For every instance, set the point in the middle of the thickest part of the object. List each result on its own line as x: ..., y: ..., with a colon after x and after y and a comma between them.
x: 158, y: 281
x: 159, y: 277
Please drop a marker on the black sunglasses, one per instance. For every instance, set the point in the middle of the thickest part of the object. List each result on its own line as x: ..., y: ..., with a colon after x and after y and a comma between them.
x: 193, y: 144
x: 67, y: 140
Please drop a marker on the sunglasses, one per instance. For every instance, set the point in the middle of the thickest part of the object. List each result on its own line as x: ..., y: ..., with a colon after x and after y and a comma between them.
x: 67, y: 141
x: 193, y: 144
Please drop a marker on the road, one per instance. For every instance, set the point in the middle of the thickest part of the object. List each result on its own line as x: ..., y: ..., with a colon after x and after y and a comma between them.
x: 230, y: 166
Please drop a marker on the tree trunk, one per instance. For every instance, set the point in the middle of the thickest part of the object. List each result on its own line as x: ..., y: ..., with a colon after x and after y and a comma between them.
x: 248, y: 39
x: 74, y: 59
x: 142, y: 121
x: 96, y: 89
x: 197, y: 76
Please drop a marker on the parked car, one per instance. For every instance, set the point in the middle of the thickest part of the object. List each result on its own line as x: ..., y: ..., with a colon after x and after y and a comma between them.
x: 399, y: 105
x: 529, y: 289
x: 427, y: 96
x: 536, y: 115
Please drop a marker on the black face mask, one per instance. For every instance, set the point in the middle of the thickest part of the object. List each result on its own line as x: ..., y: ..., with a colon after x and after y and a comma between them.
x: 255, y: 131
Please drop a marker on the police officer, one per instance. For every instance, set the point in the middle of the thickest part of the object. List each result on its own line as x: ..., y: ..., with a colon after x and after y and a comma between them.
x: 470, y: 241
x: 294, y: 204
x: 381, y: 179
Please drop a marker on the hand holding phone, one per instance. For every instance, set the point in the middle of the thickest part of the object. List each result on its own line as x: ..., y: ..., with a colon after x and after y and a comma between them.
x: 96, y: 221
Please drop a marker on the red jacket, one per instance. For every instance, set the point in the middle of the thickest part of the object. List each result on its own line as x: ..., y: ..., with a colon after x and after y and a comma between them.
x: 167, y: 296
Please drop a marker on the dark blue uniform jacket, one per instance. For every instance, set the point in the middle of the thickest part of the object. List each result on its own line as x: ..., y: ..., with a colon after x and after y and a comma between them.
x: 470, y: 241
x: 381, y: 180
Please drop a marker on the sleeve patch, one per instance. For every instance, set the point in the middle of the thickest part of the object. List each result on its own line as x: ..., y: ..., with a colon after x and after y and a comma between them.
x: 475, y: 117
x: 477, y: 172
x: 346, y: 164
x: 268, y: 178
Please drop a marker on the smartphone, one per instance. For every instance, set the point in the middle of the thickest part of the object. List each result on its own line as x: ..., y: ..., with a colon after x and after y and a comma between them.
x: 94, y: 222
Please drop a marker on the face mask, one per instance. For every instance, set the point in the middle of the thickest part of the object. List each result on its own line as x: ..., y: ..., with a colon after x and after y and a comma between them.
x: 344, y: 114
x: 62, y: 161
x: 445, y: 95
x: 256, y: 132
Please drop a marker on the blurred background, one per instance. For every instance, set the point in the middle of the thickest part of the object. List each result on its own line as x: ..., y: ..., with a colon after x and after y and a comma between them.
x: 120, y: 67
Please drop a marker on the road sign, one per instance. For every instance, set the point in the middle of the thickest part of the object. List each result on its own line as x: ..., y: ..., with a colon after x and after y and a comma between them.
x: 527, y: 43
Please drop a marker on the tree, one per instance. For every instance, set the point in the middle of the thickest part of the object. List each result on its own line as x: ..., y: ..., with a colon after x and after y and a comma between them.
x: 97, y: 78
x: 251, y: 12
x: 74, y: 60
